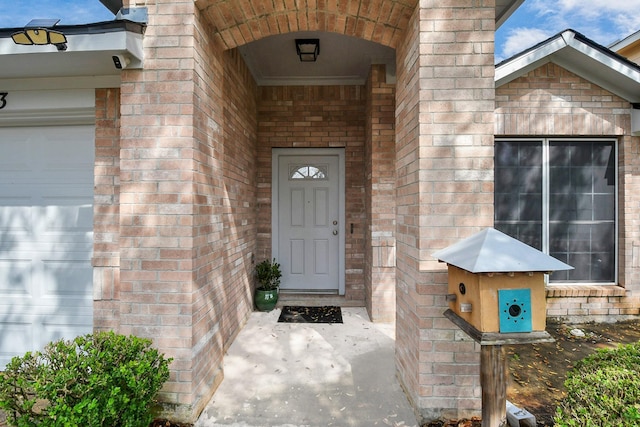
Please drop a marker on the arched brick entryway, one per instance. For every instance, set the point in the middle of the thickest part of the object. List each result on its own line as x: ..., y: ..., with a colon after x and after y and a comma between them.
x: 186, y: 190
x: 243, y: 21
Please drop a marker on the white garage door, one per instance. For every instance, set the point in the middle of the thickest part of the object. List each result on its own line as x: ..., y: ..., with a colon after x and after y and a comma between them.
x: 46, y: 235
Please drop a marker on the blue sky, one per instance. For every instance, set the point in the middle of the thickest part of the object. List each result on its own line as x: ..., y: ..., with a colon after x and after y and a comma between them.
x: 17, y: 13
x: 603, y: 21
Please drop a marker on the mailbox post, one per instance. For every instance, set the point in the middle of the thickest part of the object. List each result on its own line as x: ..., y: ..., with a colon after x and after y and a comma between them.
x: 497, y: 297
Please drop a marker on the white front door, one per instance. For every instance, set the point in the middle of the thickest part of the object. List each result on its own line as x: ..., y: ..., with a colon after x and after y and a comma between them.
x: 308, y: 219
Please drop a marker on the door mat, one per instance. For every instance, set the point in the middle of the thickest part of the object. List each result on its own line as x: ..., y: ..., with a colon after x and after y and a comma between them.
x: 298, y: 314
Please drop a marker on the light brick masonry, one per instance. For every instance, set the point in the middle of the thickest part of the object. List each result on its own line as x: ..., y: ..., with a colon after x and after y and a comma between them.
x: 183, y: 179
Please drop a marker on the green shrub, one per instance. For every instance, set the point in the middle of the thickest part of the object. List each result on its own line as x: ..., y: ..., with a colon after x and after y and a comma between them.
x: 99, y: 379
x: 603, y: 389
x: 268, y: 274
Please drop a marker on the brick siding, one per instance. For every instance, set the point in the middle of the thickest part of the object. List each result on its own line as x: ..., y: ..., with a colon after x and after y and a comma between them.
x: 175, y: 204
x: 552, y: 101
x: 106, y: 211
x: 316, y: 117
x: 380, y: 191
x: 444, y: 164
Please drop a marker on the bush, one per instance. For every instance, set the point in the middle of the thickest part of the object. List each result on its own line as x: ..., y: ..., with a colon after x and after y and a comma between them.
x: 99, y: 379
x: 603, y: 390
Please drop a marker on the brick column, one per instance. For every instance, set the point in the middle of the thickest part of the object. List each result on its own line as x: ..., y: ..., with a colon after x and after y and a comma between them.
x: 380, y: 244
x: 106, y: 215
x: 444, y: 166
x: 187, y: 200
x: 158, y: 171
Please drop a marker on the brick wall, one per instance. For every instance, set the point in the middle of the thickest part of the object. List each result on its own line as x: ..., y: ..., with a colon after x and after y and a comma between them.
x: 187, y: 201
x: 408, y: 344
x: 314, y: 117
x: 106, y: 211
x: 225, y: 220
x: 444, y: 137
x: 157, y: 198
x: 552, y: 101
x: 380, y: 245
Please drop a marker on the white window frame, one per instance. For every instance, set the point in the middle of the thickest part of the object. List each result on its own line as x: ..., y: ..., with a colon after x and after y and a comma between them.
x: 545, y: 141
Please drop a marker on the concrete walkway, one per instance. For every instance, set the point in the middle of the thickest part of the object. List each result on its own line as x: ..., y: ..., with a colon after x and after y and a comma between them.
x: 301, y: 374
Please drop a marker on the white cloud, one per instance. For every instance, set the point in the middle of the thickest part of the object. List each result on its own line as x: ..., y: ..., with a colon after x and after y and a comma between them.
x: 603, y: 21
x: 519, y: 39
x: 610, y: 19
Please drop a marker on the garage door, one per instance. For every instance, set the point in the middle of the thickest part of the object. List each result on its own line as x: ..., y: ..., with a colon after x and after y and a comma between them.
x: 46, y: 235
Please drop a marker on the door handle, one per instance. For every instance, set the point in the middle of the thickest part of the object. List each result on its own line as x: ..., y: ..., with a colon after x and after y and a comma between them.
x: 335, y: 232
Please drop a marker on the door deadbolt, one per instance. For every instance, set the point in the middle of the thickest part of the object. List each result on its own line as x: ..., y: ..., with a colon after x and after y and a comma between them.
x: 335, y: 222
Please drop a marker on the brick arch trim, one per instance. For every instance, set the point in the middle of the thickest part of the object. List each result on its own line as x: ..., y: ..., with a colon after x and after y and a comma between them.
x: 237, y: 22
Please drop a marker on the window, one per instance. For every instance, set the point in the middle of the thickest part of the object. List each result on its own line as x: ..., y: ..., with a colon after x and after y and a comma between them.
x: 559, y: 196
x: 315, y: 172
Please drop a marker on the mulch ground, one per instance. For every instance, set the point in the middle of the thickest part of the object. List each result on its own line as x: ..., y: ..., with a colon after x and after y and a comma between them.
x: 538, y: 371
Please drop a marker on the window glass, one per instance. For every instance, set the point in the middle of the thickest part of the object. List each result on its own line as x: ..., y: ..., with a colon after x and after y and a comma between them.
x: 518, y: 191
x: 578, y: 225
x: 316, y: 172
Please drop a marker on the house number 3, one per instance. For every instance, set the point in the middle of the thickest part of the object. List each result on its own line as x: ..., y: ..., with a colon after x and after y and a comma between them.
x: 3, y: 99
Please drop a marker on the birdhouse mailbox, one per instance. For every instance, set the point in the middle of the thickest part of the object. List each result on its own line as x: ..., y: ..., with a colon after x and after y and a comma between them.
x: 497, y: 284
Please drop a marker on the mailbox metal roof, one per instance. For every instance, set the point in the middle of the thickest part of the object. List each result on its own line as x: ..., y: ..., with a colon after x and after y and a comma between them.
x: 491, y: 251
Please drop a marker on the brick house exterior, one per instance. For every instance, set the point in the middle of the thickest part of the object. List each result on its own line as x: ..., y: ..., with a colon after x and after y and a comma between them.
x: 190, y: 207
x: 183, y: 179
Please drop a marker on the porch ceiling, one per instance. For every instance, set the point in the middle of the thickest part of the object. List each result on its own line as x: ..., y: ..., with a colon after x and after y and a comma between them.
x: 270, y: 53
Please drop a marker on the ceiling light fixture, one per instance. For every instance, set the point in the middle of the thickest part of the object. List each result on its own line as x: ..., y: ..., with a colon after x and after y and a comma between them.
x: 308, y: 49
x: 35, y: 34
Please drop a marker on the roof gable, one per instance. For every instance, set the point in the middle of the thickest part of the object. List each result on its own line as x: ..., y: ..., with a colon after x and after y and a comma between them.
x: 581, y: 56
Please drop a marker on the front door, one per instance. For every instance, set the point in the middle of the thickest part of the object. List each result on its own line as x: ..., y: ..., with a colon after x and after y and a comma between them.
x: 308, y: 219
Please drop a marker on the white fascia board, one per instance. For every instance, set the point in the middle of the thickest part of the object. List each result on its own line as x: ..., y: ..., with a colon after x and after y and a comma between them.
x: 621, y: 44
x: 610, y: 62
x: 108, y: 41
x: 521, y: 65
x: 86, y: 54
x: 507, y: 12
x: 121, y: 41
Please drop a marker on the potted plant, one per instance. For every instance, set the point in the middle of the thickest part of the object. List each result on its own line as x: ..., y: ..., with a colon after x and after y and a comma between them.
x: 268, y: 276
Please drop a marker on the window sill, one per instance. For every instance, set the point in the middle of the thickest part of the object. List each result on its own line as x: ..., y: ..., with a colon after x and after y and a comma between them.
x: 557, y: 291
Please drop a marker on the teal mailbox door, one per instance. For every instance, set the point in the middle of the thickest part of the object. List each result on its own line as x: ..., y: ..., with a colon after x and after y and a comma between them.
x: 515, y: 310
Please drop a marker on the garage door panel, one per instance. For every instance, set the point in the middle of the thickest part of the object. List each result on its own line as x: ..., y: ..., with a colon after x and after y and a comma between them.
x: 16, y: 154
x: 75, y: 215
x: 46, y: 236
x: 68, y: 279
x: 15, y: 214
x: 16, y: 338
x: 62, y: 327
x: 15, y: 278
